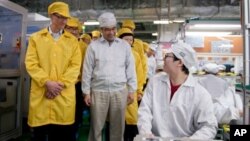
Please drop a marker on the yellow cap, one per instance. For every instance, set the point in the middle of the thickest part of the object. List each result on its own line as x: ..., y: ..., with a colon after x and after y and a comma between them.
x: 96, y: 33
x: 60, y: 8
x: 85, y: 36
x: 128, y: 24
x: 72, y: 22
x: 145, y: 47
x: 80, y: 26
x: 122, y: 31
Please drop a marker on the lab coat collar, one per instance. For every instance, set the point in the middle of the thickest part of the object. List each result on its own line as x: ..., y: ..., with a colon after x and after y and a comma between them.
x: 190, y: 82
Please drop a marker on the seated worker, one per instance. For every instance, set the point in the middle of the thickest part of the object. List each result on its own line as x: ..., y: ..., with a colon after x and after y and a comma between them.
x: 175, y: 105
x: 227, y: 104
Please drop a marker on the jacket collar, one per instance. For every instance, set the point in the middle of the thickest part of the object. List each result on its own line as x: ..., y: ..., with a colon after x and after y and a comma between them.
x: 104, y: 40
x: 45, y: 31
x: 190, y: 82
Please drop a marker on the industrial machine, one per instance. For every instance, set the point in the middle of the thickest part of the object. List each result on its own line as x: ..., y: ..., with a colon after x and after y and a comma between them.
x: 13, y: 28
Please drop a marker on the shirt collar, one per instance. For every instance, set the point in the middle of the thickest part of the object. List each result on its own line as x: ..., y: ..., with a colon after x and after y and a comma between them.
x: 58, y: 33
x: 104, y: 40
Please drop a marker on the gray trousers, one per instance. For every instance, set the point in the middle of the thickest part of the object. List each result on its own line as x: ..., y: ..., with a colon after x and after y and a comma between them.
x: 111, y: 106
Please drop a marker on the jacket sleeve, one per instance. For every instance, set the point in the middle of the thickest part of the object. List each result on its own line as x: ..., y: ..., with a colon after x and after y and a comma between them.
x: 204, y: 118
x: 145, y: 114
x: 72, y: 72
x: 33, y: 66
x: 88, y: 68
x: 130, y: 71
x: 139, y: 74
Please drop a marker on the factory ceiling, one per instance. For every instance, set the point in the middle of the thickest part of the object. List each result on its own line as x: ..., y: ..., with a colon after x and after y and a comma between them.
x: 144, y: 12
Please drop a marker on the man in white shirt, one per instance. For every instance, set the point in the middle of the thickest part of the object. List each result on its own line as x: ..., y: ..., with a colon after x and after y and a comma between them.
x: 108, y: 80
x: 175, y: 105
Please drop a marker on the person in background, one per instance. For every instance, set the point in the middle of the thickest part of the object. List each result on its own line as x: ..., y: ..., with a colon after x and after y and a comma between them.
x: 95, y: 35
x: 159, y: 67
x: 86, y: 38
x: 227, y: 104
x: 72, y: 26
x: 174, y: 104
x: 138, y: 46
x: 53, y: 61
x: 80, y: 29
x: 108, y: 80
x: 131, y: 116
x: 151, y: 61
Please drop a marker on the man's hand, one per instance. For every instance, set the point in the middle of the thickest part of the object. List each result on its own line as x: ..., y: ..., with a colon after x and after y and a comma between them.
x: 87, y: 99
x: 53, y: 89
x: 139, y: 97
x: 49, y: 95
x: 130, y: 99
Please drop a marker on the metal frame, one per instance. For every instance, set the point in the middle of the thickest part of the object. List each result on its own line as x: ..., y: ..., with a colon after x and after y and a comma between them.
x: 246, y: 27
x: 17, y: 73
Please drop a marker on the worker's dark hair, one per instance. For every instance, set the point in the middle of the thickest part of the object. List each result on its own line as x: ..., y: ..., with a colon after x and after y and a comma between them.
x: 126, y: 34
x: 184, y: 68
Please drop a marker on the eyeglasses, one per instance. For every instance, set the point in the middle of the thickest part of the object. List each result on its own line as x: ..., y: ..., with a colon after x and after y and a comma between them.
x: 60, y: 17
x: 168, y: 56
x: 171, y: 56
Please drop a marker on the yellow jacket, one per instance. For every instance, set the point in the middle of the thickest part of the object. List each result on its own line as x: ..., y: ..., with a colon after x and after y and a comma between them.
x: 132, y: 109
x: 47, y: 59
x: 83, y: 47
x: 138, y: 47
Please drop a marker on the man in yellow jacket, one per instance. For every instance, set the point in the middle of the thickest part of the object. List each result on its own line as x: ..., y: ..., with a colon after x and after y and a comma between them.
x: 131, y: 117
x: 138, y: 47
x: 72, y: 26
x: 53, y: 61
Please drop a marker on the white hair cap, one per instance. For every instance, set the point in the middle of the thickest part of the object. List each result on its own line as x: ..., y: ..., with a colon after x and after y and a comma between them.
x: 222, y: 67
x: 107, y: 19
x: 185, y: 53
x: 153, y: 46
x: 211, y: 68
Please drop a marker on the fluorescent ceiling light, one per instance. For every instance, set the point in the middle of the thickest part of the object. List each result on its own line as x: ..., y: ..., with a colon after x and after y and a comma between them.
x: 196, y: 33
x: 155, y: 34
x: 91, y: 23
x: 162, y: 22
x: 179, y: 20
x: 217, y: 25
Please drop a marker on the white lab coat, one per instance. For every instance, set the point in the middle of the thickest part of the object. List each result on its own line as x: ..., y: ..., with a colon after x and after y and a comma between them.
x: 214, y: 85
x: 227, y: 104
x: 188, y: 114
x: 151, y: 66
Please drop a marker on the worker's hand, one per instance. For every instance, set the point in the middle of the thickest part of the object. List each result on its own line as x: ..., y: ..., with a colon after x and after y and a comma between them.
x: 139, y: 96
x: 54, y: 88
x: 49, y: 95
x: 130, y: 99
x: 87, y: 99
